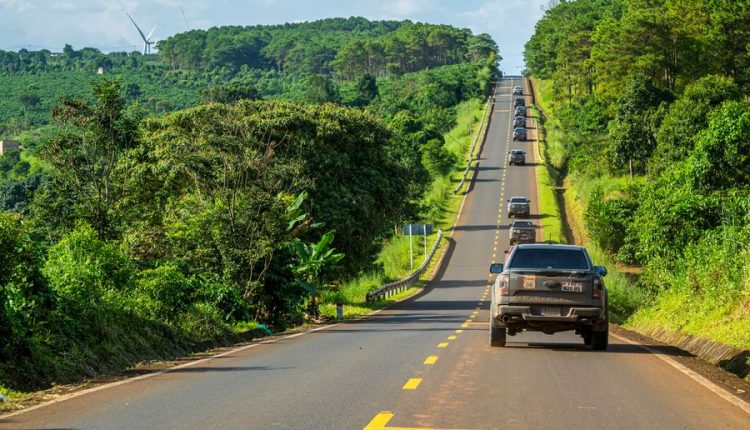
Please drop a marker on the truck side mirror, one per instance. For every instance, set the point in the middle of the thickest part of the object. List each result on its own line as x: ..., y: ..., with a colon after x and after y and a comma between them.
x: 600, y: 270
x: 496, y: 268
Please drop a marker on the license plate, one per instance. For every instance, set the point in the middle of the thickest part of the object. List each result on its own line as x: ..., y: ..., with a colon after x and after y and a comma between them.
x: 572, y: 287
x: 551, y: 311
x: 529, y: 282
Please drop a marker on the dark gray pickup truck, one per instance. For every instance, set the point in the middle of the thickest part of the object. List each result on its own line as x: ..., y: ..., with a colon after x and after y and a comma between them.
x: 549, y: 288
x: 522, y: 231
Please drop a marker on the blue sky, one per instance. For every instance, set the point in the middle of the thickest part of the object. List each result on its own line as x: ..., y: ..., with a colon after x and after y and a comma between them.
x: 37, y: 24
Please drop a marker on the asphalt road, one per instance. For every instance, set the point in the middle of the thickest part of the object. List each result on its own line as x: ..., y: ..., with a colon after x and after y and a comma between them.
x: 424, y: 363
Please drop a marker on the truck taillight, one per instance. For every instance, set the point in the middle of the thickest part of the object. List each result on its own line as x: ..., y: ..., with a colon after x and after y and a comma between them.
x: 505, y: 285
x: 596, y: 292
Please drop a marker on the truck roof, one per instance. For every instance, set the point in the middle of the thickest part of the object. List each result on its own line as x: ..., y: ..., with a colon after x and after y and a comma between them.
x: 550, y: 246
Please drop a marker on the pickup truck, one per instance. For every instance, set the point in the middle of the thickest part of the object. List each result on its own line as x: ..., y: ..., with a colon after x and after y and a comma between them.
x: 549, y: 288
x: 522, y: 231
x: 518, y: 205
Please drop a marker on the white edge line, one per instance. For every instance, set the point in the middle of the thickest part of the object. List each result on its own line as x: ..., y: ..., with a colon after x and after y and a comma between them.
x: 724, y: 394
x: 73, y: 395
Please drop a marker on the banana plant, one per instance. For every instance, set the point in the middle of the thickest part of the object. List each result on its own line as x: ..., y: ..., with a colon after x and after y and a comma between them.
x: 312, y: 260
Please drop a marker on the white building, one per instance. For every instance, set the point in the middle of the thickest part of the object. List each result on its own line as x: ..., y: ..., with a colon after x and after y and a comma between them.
x: 6, y: 145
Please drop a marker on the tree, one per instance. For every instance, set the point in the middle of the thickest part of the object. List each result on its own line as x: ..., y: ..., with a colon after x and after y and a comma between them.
x: 638, y: 117
x: 367, y: 90
x: 87, y: 154
x: 320, y: 89
x: 29, y: 100
x: 722, y: 155
x: 438, y: 160
x: 687, y: 117
x: 229, y: 93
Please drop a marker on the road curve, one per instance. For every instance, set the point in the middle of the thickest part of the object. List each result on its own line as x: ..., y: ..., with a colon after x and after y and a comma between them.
x: 424, y: 363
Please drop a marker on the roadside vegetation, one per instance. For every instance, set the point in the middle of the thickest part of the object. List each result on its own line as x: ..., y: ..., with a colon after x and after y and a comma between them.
x: 651, y: 136
x: 439, y: 207
x: 130, y: 232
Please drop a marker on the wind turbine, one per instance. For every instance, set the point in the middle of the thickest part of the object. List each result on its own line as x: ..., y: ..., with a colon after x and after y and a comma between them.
x: 146, y: 39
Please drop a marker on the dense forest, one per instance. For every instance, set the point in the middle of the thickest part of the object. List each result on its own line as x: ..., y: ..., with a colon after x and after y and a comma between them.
x: 652, y: 128
x: 305, y: 62
x: 224, y: 183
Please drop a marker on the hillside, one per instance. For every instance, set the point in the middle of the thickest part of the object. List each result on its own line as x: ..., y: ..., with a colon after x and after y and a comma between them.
x: 648, y: 122
x: 170, y: 204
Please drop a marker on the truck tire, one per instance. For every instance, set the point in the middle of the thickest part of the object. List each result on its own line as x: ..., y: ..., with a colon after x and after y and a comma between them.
x: 497, y: 336
x: 587, y: 337
x: 599, y: 340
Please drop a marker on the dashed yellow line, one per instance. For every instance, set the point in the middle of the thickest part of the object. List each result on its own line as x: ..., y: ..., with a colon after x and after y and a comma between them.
x: 380, y: 421
x: 445, y: 344
x: 451, y: 337
x: 412, y: 384
x: 459, y: 331
x: 431, y: 359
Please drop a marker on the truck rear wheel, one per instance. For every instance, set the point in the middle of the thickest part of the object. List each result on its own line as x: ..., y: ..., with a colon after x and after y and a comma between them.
x: 599, y: 340
x: 497, y: 336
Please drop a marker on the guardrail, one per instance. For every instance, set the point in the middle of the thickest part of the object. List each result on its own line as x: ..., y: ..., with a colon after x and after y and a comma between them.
x: 474, y: 145
x: 396, y: 287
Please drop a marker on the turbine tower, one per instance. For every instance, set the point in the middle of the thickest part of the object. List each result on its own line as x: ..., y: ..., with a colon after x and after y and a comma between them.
x: 146, y: 39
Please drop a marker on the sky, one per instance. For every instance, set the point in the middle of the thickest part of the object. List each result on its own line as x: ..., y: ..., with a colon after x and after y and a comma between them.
x: 102, y: 24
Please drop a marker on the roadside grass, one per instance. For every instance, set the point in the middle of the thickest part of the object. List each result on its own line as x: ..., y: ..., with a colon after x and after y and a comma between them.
x: 547, y: 179
x: 441, y: 210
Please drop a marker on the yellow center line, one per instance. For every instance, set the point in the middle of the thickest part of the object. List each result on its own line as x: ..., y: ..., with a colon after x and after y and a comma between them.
x: 451, y: 337
x: 382, y: 419
x: 459, y: 331
x: 431, y: 359
x: 412, y: 384
x: 445, y: 344
x: 464, y: 325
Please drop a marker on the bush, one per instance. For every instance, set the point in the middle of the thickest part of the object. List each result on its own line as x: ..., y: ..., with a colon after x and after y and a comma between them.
x: 608, y: 219
x: 82, y: 269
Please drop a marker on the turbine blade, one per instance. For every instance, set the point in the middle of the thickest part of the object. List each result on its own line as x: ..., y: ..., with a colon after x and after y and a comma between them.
x: 136, y: 26
x: 151, y: 33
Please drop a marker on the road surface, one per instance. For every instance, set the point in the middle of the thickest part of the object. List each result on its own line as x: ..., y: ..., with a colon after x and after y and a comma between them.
x: 424, y: 363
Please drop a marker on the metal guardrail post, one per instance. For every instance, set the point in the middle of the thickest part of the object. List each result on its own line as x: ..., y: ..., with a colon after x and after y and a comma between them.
x: 395, y: 287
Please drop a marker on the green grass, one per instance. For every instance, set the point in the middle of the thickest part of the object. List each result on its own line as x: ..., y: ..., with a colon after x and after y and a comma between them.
x: 547, y: 183
x: 442, y: 209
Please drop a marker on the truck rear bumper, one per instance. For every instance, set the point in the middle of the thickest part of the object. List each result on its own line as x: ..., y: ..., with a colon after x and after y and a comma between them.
x: 576, y: 315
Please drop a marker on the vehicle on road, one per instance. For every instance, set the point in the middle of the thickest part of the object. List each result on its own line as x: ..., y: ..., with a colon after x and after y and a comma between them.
x: 518, y: 205
x: 519, y: 111
x: 519, y: 133
x: 517, y: 157
x: 517, y: 90
x: 519, y: 121
x: 549, y: 288
x: 519, y: 101
x: 521, y: 231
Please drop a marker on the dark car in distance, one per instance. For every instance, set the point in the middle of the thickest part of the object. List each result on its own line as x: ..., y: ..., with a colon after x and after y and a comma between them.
x: 519, y: 101
x: 519, y: 121
x: 549, y: 288
x: 517, y: 157
x: 518, y: 205
x: 519, y: 111
x: 521, y: 231
x: 519, y: 133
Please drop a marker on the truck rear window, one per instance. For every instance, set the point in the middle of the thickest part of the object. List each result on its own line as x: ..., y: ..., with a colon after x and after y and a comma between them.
x: 535, y: 258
